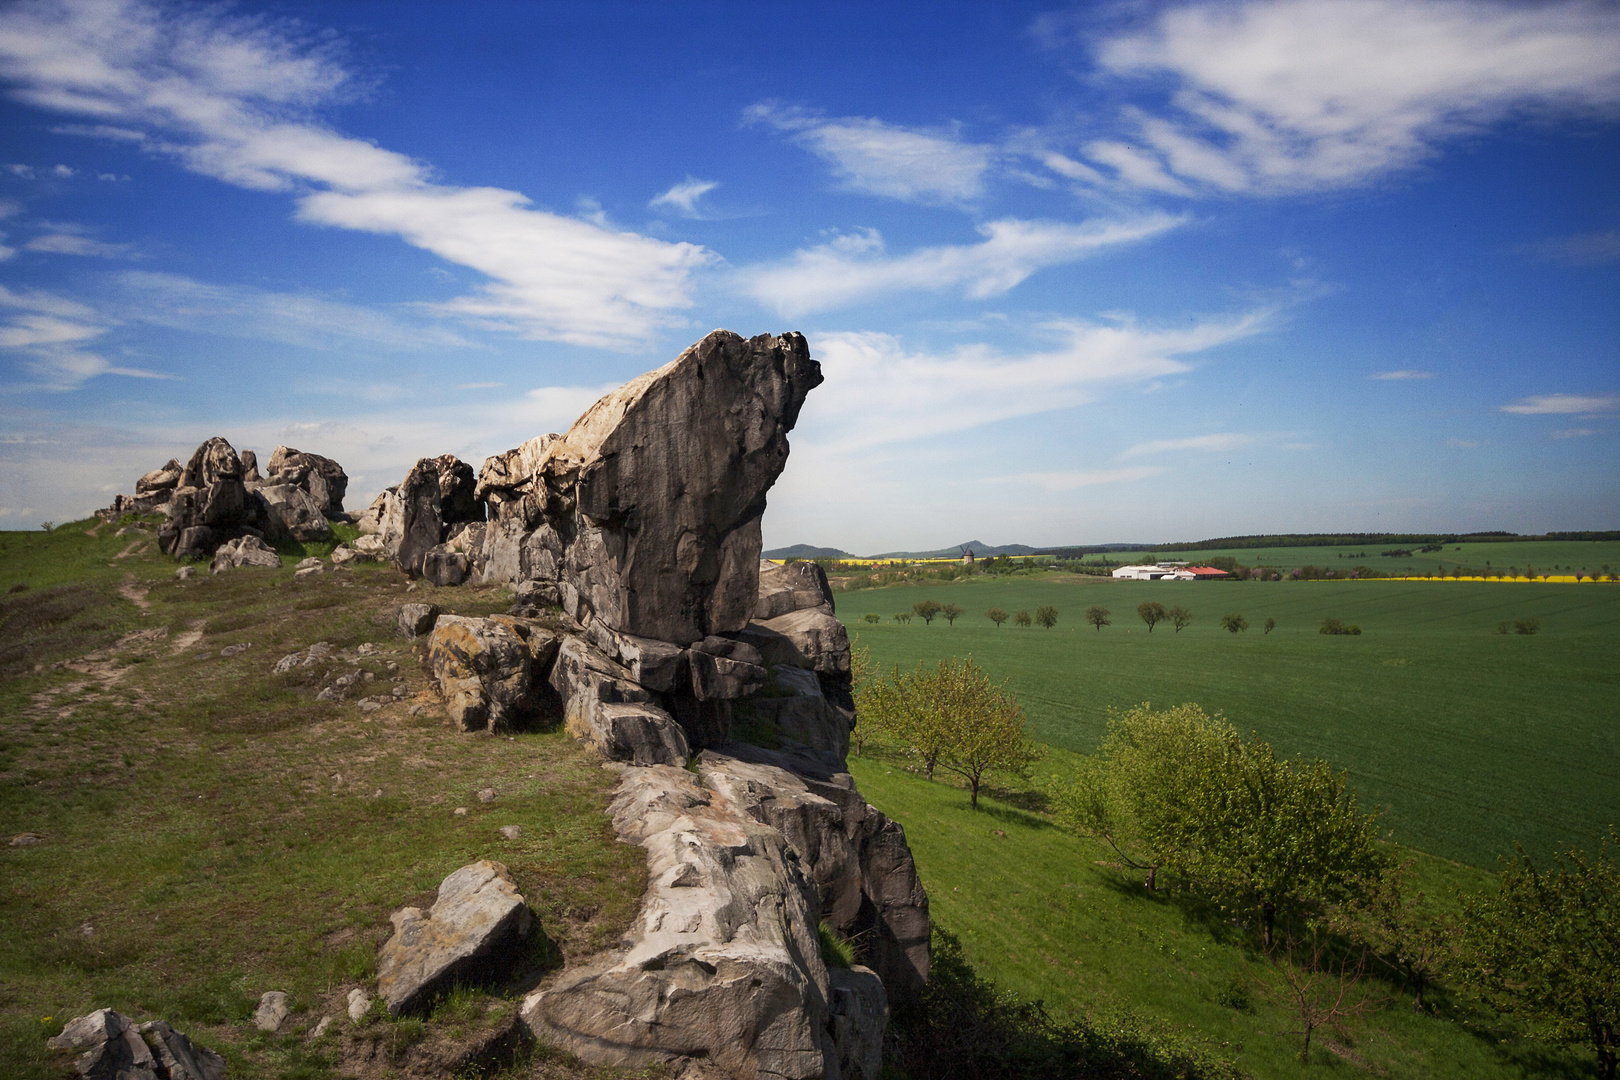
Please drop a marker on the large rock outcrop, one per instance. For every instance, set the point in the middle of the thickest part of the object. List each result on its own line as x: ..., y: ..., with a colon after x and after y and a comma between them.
x: 111, y: 1046
x: 646, y: 512
x: 724, y: 963
x: 722, y: 683
x: 321, y: 478
x: 430, y: 524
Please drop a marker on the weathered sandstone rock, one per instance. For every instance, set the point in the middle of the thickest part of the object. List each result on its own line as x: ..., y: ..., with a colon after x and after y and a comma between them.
x: 604, y: 707
x: 457, y: 485
x: 791, y: 587
x: 724, y: 961
x: 417, y: 619
x: 470, y: 933
x: 209, y: 503
x: 250, y: 466
x: 411, y: 522
x: 272, y: 1010
x: 291, y: 511
x: 320, y: 477
x: 164, y: 479
x: 486, y: 668
x: 114, y: 1047
x: 442, y: 566
x: 248, y: 551
x: 646, y: 512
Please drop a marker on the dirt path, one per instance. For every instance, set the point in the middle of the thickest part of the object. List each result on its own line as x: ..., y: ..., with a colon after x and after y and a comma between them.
x: 133, y: 592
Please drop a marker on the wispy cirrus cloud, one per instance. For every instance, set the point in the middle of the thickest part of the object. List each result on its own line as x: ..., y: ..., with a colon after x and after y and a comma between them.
x: 68, y: 244
x: 1216, y: 443
x: 1279, y: 96
x: 1401, y: 375
x: 234, y: 98
x: 683, y: 197
x: 869, y: 155
x: 1586, y: 249
x: 856, y: 267
x: 53, y: 336
x: 1565, y: 404
x: 879, y: 391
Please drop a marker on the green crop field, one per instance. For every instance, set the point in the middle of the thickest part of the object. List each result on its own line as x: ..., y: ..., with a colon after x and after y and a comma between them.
x: 1589, y: 556
x: 1472, y: 740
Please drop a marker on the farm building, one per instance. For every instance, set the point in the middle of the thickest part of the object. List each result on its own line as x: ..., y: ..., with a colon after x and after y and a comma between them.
x: 1169, y: 571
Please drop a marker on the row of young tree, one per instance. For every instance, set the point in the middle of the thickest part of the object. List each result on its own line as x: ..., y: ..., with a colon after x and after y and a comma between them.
x: 1283, y: 847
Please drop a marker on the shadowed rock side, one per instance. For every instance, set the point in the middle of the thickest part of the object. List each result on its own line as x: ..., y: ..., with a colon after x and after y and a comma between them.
x: 646, y: 512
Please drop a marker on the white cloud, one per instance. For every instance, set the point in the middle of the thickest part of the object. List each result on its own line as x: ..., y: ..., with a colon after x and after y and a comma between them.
x: 1560, y: 404
x: 877, y: 391
x: 854, y: 267
x: 884, y: 159
x: 64, y: 244
x: 683, y: 196
x: 24, y: 171
x: 1273, y: 96
x: 479, y: 385
x: 231, y: 98
x: 240, y: 311
x: 1402, y: 375
x: 1068, y: 481
x: 63, y: 172
x: 1571, y: 433
x: 1221, y: 441
x: 50, y: 332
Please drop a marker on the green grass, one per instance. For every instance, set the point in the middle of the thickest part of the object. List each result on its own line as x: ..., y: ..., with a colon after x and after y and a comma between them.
x: 1470, y: 739
x: 212, y: 831
x: 1589, y: 555
x: 1045, y: 914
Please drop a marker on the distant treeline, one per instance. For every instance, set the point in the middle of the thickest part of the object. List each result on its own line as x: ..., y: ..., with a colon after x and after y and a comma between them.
x: 1284, y: 540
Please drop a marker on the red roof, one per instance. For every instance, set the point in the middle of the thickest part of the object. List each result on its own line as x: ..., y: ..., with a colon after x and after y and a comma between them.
x: 1205, y: 571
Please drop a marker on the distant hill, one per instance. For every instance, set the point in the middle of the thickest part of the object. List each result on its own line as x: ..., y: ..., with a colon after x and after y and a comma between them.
x: 806, y: 551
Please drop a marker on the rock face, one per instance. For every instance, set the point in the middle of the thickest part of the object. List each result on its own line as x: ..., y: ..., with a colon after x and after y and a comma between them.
x: 646, y: 512
x: 724, y: 963
x: 291, y: 511
x: 420, y: 521
x: 321, y: 478
x: 114, y: 1047
x: 722, y: 683
x: 248, y: 551
x: 478, y: 921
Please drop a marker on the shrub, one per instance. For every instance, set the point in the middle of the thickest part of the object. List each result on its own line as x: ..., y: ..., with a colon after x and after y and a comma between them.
x: 1526, y: 626
x: 1234, y: 623
x: 1330, y: 625
x: 872, y: 618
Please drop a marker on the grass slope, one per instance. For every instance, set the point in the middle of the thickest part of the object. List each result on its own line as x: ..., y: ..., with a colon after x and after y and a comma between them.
x: 1045, y: 914
x: 212, y: 831
x: 1472, y: 740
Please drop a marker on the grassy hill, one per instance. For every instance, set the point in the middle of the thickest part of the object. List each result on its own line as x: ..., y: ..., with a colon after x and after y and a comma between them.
x: 1471, y: 739
x: 211, y: 831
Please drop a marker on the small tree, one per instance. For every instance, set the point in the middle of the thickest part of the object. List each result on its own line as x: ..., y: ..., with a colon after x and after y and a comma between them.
x: 926, y: 610
x: 1181, y: 618
x: 952, y: 612
x: 1405, y: 932
x: 1022, y: 618
x: 1152, y: 612
x: 1546, y: 948
x: 984, y: 726
x: 1321, y: 987
x: 1271, y: 624
x: 1097, y: 616
x: 997, y: 616
x: 902, y: 616
x: 871, y: 618
x: 1046, y: 615
x: 1234, y: 622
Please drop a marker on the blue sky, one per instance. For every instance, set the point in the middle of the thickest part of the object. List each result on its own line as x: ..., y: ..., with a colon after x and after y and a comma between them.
x: 1119, y: 271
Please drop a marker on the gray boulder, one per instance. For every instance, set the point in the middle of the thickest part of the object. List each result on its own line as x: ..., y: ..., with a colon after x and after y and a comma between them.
x: 860, y: 1012
x: 485, y: 668
x: 209, y: 503
x: 250, y: 466
x: 608, y: 710
x: 371, y: 519
x: 472, y: 931
x: 164, y: 479
x: 457, y: 485
x: 818, y: 635
x: 247, y: 551
x: 291, y: 511
x: 417, y: 619
x: 791, y: 587
x: 272, y: 1010
x: 320, y: 477
x: 411, y: 523
x: 111, y: 1046
x: 646, y: 512
x: 442, y: 566
x: 723, y: 669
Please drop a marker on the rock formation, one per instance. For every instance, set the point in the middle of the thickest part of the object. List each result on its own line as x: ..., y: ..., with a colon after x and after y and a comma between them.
x: 219, y: 497
x: 646, y: 512
x: 111, y: 1046
x: 428, y: 523
x: 723, y: 685
x: 475, y: 925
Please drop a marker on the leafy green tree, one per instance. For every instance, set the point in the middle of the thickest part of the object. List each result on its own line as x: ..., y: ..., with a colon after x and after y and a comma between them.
x: 1022, y: 618
x: 872, y: 618
x: 997, y: 616
x: 1097, y: 616
x: 1151, y: 612
x: 952, y: 612
x: 1046, y: 615
x: 1405, y: 931
x: 1234, y: 622
x: 902, y: 616
x: 1546, y: 948
x: 953, y: 717
x: 1181, y: 618
x: 1271, y: 624
x: 926, y: 610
